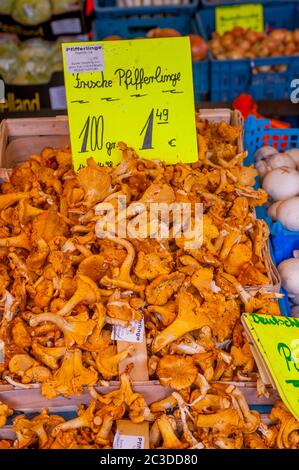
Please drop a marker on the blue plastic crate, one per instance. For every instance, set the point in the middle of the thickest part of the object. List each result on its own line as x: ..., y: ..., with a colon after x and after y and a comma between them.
x: 262, y: 409
x: 257, y: 134
x: 109, y: 9
x: 138, y: 25
x: 230, y: 78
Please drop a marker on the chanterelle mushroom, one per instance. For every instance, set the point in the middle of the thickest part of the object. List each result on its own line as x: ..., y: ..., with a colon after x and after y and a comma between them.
x: 191, y: 316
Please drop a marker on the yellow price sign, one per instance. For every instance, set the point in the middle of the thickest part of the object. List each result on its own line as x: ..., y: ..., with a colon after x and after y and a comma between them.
x: 277, y: 339
x: 139, y: 92
x: 247, y: 16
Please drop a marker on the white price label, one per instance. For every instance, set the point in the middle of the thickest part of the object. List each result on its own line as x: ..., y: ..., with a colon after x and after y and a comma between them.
x: 66, y: 26
x: 57, y: 97
x: 134, y: 333
x: 123, y: 441
x: 87, y: 58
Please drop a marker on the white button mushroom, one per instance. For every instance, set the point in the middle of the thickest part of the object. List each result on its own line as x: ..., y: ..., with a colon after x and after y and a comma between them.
x: 262, y: 168
x: 289, y: 272
x: 264, y: 152
x: 281, y: 183
x: 281, y: 159
x: 295, y: 299
x: 287, y: 213
x: 295, y: 311
x: 272, y: 210
x: 294, y: 154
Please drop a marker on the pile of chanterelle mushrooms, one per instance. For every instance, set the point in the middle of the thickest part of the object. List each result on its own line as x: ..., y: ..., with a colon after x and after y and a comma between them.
x: 63, y: 288
x: 211, y: 417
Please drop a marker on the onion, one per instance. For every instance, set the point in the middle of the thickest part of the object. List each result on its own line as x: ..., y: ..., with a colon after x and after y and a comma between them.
x: 236, y: 53
x: 272, y: 210
x: 238, y: 31
x: 250, y: 55
x: 245, y: 45
x: 221, y: 56
x: 288, y: 37
x: 296, y: 35
x: 112, y: 38
x: 281, y: 183
x: 227, y: 41
x: 288, y: 213
x: 163, y: 33
x: 251, y: 36
x: 264, y: 51
x: 278, y: 34
x: 215, y: 42
x: 199, y: 48
x: 264, y: 152
x: 271, y: 45
x: 290, y: 49
x: 280, y: 68
x: 264, y: 69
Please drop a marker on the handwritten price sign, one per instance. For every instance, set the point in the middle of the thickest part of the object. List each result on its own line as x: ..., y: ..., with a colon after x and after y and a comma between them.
x: 247, y: 16
x: 139, y: 92
x: 277, y: 339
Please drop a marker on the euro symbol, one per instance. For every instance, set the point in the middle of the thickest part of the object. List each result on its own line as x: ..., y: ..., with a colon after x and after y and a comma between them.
x: 172, y: 142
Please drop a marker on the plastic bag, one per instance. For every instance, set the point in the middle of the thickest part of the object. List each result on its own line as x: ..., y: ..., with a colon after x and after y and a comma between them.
x: 32, y: 12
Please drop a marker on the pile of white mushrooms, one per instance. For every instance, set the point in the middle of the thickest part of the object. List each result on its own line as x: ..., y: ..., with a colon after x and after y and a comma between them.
x: 279, y: 175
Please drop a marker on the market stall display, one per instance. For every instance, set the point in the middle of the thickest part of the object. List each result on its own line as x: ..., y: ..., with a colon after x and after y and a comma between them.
x: 66, y: 326
x: 116, y: 325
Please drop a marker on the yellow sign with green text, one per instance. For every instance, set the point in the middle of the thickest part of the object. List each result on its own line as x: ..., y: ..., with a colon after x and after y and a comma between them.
x: 139, y: 92
x: 247, y: 16
x: 277, y: 339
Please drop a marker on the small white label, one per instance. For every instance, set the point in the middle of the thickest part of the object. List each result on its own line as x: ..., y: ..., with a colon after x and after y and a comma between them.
x: 123, y: 441
x: 67, y: 26
x: 28, y: 10
x: 57, y: 97
x: 134, y: 333
x: 2, y: 354
x: 87, y: 58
